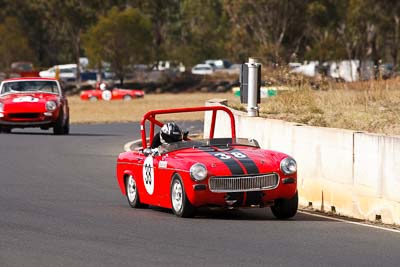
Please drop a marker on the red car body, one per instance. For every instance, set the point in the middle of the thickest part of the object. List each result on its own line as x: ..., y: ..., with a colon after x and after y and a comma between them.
x: 113, y: 94
x: 238, y: 172
x: 33, y: 102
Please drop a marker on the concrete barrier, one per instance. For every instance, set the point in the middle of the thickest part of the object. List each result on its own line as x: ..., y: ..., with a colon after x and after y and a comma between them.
x: 347, y: 172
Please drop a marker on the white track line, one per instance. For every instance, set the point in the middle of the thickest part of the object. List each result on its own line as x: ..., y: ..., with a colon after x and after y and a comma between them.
x: 127, y: 146
x: 350, y: 222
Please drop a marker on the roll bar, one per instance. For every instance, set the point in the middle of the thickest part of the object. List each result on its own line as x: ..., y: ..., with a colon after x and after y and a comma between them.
x: 151, y: 117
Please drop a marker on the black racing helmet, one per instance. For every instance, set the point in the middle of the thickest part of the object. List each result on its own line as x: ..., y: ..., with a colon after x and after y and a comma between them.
x: 170, y: 132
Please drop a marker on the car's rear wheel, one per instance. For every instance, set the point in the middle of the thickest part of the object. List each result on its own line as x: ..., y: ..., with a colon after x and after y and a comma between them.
x: 180, y: 203
x: 93, y: 99
x: 127, y: 97
x: 132, y: 193
x: 285, y: 208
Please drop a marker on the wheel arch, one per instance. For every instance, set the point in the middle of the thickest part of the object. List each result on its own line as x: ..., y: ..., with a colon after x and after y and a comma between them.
x: 123, y: 178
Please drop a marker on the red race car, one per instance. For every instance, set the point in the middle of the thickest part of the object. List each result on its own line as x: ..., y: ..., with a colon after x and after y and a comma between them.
x: 102, y: 93
x: 33, y: 102
x: 228, y: 172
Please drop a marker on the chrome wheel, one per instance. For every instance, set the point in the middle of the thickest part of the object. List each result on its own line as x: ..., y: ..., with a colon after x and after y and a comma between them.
x: 177, y: 195
x: 181, y: 205
x: 131, y: 189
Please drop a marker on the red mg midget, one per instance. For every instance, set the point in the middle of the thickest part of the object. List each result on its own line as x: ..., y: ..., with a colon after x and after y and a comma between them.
x: 33, y: 102
x: 102, y: 93
x: 228, y: 172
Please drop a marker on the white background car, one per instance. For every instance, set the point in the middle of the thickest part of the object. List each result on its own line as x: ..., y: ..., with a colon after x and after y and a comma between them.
x: 203, y: 69
x: 67, y: 72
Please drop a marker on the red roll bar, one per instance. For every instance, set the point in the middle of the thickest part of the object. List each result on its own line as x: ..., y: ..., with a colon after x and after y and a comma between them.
x: 151, y: 117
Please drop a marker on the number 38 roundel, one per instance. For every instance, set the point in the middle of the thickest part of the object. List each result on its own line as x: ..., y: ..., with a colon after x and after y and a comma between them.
x: 148, y: 175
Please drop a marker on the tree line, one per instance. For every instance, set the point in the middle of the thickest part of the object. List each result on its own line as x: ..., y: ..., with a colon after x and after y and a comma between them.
x: 126, y: 32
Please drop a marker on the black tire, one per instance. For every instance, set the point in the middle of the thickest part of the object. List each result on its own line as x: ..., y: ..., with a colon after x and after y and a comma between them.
x: 132, y: 193
x: 5, y: 130
x: 127, y: 98
x: 61, y: 126
x: 179, y: 201
x: 285, y: 208
x: 93, y: 99
x: 66, y: 126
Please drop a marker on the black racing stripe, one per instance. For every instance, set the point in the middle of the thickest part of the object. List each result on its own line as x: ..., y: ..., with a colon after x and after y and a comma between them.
x: 231, y: 163
x: 247, y: 162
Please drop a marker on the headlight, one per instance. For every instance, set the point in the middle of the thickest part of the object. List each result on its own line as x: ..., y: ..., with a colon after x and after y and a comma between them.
x: 51, y: 105
x: 1, y: 107
x: 198, y: 172
x: 288, y: 166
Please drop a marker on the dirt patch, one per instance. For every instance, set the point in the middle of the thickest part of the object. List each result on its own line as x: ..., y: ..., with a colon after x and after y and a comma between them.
x: 129, y: 111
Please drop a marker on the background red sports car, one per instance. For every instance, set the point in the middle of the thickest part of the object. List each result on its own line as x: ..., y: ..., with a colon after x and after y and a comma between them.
x: 228, y: 172
x: 33, y: 102
x: 101, y: 92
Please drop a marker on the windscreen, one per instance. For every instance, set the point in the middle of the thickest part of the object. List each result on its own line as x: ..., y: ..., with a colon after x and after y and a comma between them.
x: 30, y: 86
x: 204, y: 143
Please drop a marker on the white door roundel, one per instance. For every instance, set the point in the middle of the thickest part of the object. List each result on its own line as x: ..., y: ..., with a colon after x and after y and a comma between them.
x: 148, y: 175
x: 106, y: 95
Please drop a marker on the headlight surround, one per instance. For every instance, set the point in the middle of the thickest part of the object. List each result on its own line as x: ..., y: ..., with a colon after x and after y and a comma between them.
x: 198, y: 172
x: 1, y: 107
x: 288, y: 166
x: 51, y: 105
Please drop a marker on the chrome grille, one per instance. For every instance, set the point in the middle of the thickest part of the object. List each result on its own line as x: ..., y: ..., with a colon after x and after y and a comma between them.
x: 243, y: 183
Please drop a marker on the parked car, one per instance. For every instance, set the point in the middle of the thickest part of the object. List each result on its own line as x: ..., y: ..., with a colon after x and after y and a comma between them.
x: 33, y: 102
x: 227, y: 172
x: 67, y: 72
x: 203, y: 69
x: 101, y: 92
x: 218, y: 63
x: 23, y: 69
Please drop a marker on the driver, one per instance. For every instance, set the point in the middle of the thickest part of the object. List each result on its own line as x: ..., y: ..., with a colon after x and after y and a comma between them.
x: 169, y: 133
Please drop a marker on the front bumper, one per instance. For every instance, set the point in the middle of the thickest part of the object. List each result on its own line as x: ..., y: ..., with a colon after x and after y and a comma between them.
x: 200, y: 194
x: 21, y: 121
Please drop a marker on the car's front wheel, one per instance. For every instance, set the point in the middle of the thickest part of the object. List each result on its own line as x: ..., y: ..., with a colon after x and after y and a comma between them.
x: 61, y: 126
x: 285, y: 208
x: 5, y: 130
x: 132, y: 193
x: 180, y: 203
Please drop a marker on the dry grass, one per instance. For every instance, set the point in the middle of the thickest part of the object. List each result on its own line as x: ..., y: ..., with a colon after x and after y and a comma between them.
x: 129, y: 111
x: 362, y: 106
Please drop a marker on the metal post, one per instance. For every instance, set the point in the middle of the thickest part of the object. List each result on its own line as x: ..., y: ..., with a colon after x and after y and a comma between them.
x: 252, y: 107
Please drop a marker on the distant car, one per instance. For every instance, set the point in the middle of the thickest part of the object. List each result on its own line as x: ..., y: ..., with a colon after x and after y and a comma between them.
x: 67, y: 72
x: 23, y: 69
x: 102, y: 93
x: 203, y: 69
x: 218, y: 63
x: 33, y: 102
x: 226, y: 172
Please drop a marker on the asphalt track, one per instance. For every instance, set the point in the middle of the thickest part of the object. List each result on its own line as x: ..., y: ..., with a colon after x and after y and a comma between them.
x: 60, y: 206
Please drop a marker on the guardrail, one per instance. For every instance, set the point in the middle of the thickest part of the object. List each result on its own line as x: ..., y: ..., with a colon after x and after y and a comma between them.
x: 341, y: 171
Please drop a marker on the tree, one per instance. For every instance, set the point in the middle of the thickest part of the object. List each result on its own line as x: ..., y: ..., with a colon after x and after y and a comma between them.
x: 321, y: 40
x: 163, y: 14
x: 14, y: 45
x: 271, y: 29
x: 121, y: 38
